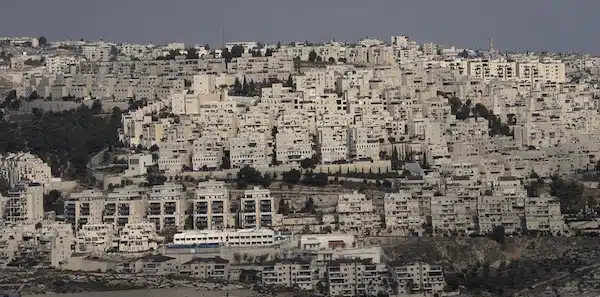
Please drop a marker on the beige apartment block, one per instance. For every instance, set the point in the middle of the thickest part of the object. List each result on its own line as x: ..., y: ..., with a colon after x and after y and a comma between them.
x: 257, y: 209
x: 289, y: 273
x: 24, y: 203
x: 83, y: 208
x: 167, y: 207
x: 125, y: 206
x: 356, y: 213
x: 211, y: 206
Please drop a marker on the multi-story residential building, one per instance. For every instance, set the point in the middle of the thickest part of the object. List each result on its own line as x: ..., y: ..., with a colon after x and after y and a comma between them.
x: 60, y: 64
x: 403, y: 213
x: 96, y: 238
x: 138, y: 237
x: 257, y: 209
x: 167, y: 207
x: 333, y: 144
x: 292, y: 146
x: 363, y: 143
x: 211, y: 209
x: 356, y: 213
x: 290, y: 273
x: 249, y: 149
x: 206, y: 268
x: 543, y: 214
x: 451, y: 214
x: 24, y: 203
x: 206, y: 155
x: 349, y: 277
x: 23, y: 167
x: 417, y: 278
x: 125, y: 206
x: 48, y: 245
x: 495, y: 211
x: 84, y: 208
x: 97, y: 52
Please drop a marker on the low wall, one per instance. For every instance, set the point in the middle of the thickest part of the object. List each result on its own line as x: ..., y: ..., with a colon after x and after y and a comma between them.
x: 381, y: 166
x: 58, y: 105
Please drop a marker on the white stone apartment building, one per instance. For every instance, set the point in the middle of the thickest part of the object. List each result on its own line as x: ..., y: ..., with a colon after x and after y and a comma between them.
x: 293, y: 145
x: 450, y: 214
x: 257, y: 209
x: 167, y: 207
x: 206, y: 154
x: 18, y: 167
x: 46, y: 246
x: 96, y: 52
x: 258, y: 69
x: 249, y: 149
x: 96, y: 238
x: 9, y: 240
x: 125, y: 206
x: 206, y: 268
x: 403, y: 213
x: 137, y: 164
x: 495, y: 211
x: 543, y: 214
x: 60, y: 64
x: 470, y: 129
x: 84, y: 208
x: 219, y: 121
x: 211, y: 206
x: 138, y: 237
x: 356, y: 213
x: 333, y: 143
x: 363, y: 143
x: 417, y: 278
x: 290, y: 273
x: 349, y: 277
x: 24, y: 203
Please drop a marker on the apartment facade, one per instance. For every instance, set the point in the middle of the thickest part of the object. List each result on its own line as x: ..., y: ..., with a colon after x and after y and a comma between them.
x: 211, y: 206
x: 167, y: 207
x: 257, y: 209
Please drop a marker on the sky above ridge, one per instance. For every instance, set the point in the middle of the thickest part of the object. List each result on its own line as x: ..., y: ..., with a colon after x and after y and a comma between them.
x: 537, y: 25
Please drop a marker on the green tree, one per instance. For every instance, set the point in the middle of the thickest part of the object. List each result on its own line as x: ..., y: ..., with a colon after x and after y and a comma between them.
x: 283, y: 208
x: 67, y: 139
x: 498, y: 234
x: 237, y: 86
x: 237, y: 51
x: 4, y: 186
x: 312, y: 56
x: 289, y: 82
x: 43, y: 41
x: 248, y: 176
x: 291, y: 177
x: 245, y: 87
x: 192, y: 54
x: 308, y: 163
x: 309, y: 206
x: 53, y: 202
x: 97, y: 107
